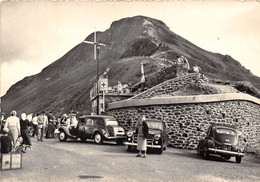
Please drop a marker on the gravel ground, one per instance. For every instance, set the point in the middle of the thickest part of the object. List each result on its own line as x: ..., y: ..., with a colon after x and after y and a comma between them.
x: 52, y: 160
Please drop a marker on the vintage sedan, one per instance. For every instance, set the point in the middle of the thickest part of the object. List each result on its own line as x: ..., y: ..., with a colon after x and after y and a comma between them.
x: 222, y: 141
x: 100, y: 128
x: 157, y: 138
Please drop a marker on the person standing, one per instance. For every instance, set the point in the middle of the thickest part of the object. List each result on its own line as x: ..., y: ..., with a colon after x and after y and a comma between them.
x: 50, y: 126
x: 35, y: 123
x: 2, y: 121
x: 196, y: 70
x: 142, y: 134
x: 13, y: 124
x: 24, y: 123
x: 45, y: 124
x: 40, y: 121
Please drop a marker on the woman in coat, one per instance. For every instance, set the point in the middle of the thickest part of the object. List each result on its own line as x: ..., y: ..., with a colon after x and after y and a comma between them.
x: 24, y: 123
x: 13, y: 124
x: 142, y: 134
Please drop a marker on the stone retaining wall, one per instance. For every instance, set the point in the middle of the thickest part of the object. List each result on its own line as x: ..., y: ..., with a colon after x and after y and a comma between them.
x: 187, y: 123
x: 188, y: 117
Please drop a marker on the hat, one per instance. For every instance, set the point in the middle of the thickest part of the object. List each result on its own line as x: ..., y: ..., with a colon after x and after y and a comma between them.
x: 2, y: 113
x: 5, y: 130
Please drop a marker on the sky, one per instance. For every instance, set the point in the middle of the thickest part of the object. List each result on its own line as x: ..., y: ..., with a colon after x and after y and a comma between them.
x: 35, y: 34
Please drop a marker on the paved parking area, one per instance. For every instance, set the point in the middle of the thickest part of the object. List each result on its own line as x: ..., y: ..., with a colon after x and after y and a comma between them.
x: 52, y: 160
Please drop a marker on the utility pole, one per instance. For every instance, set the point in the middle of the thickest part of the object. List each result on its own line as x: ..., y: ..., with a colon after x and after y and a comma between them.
x: 97, y: 46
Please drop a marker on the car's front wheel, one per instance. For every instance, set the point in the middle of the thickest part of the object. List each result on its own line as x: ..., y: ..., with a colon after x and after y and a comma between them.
x: 159, y: 150
x: 128, y: 148
x: 63, y: 136
x: 238, y: 159
x: 98, y: 139
x: 205, y: 153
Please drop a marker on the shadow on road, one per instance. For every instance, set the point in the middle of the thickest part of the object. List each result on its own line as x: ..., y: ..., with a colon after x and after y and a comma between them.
x: 89, y: 177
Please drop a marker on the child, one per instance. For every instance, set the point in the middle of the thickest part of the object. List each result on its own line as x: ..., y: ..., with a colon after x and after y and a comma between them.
x: 6, y: 142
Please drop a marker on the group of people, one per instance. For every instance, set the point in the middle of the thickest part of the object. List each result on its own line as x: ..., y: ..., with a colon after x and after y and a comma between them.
x: 12, y: 129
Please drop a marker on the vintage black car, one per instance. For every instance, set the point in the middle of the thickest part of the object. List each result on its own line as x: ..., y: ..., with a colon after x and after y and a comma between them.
x: 222, y: 141
x: 100, y: 128
x: 157, y: 137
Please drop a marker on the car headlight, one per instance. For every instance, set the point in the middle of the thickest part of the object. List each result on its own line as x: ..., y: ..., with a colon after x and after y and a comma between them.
x: 130, y: 133
x: 157, y: 136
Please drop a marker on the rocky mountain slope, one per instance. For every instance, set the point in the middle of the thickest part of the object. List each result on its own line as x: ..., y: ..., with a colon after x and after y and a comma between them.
x: 64, y: 85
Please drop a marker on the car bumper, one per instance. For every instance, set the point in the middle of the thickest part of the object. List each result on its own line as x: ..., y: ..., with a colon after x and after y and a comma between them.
x: 225, y: 152
x: 135, y: 144
x: 116, y: 137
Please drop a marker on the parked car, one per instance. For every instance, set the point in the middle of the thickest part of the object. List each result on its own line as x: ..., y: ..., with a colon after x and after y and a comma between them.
x: 100, y: 128
x: 157, y: 137
x: 221, y: 140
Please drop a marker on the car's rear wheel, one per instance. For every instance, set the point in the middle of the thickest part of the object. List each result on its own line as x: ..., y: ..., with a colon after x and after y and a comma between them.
x: 198, y: 150
x: 205, y: 153
x: 98, y: 139
x: 128, y: 148
x: 63, y: 136
x: 238, y: 159
x: 120, y: 141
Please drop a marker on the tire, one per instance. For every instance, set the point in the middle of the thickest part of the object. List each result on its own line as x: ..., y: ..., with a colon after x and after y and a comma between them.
x: 128, y: 148
x: 120, y: 141
x: 198, y: 150
x: 238, y: 159
x: 205, y: 154
x: 165, y: 147
x: 63, y: 136
x: 159, y: 151
x: 98, y: 139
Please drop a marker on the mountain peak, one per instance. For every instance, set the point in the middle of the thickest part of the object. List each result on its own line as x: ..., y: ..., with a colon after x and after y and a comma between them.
x: 64, y: 85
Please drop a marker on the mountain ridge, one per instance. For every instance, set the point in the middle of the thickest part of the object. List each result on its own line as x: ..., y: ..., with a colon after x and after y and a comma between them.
x: 64, y: 84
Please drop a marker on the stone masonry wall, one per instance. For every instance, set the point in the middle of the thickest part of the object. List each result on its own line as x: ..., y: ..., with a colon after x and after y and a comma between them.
x: 187, y: 123
x: 167, y: 87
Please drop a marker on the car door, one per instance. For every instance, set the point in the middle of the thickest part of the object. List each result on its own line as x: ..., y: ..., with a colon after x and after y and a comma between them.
x: 89, y: 127
x: 81, y: 127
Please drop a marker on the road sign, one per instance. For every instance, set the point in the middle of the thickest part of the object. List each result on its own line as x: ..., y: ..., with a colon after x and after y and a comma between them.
x: 103, y: 84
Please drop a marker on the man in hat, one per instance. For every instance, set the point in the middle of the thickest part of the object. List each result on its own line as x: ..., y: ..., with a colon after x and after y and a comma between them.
x: 6, y: 142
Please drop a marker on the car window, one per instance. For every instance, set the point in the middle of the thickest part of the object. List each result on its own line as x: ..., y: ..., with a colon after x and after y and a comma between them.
x: 81, y: 120
x: 111, y: 122
x: 89, y: 121
x: 154, y: 125
x: 100, y: 123
x: 225, y: 131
